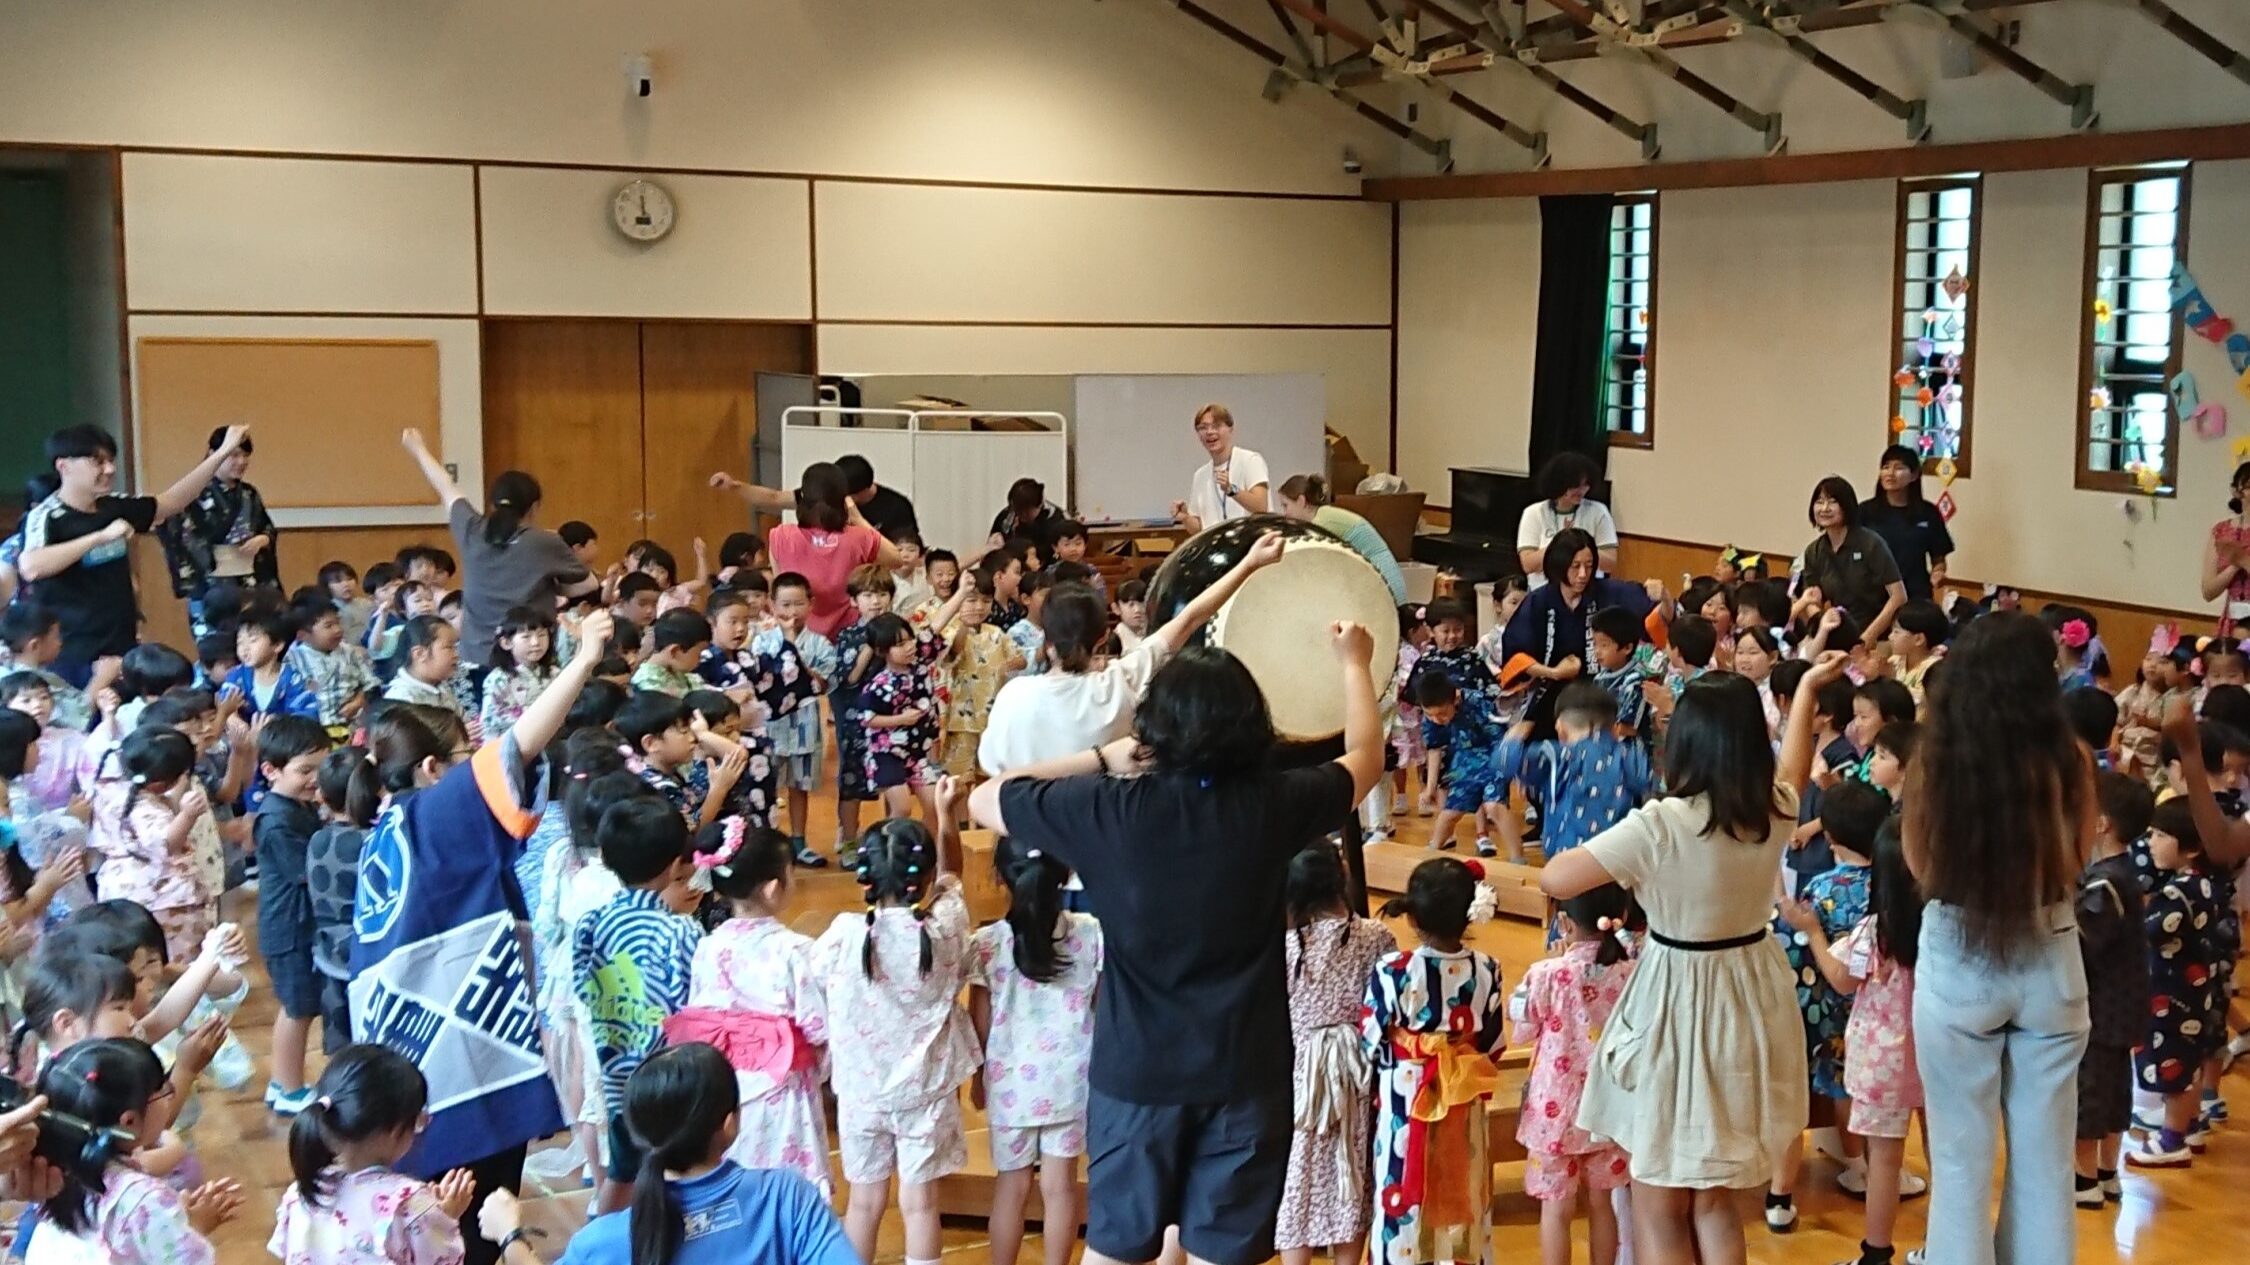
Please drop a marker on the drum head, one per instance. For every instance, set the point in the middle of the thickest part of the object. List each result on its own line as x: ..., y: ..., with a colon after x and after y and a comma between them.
x: 1278, y: 625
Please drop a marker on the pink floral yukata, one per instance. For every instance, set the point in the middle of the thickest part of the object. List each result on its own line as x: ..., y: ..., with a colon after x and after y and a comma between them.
x: 138, y: 864
x: 1879, y: 1069
x: 1042, y: 1040
x: 138, y: 1220
x: 376, y: 1217
x: 1567, y: 999
x: 1327, y: 1194
x: 758, y: 967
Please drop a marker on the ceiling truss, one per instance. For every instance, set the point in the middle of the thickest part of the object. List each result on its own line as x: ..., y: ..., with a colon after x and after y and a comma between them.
x: 1427, y: 42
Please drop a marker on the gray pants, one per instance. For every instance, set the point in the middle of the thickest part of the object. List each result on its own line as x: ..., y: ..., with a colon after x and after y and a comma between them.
x: 1999, y: 1046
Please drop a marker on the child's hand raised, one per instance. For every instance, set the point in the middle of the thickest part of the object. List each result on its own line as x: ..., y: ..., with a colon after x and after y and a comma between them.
x: 730, y: 770
x: 411, y: 439
x: 455, y: 1192
x: 593, y: 636
x: 212, y: 1204
x: 723, y: 482
x: 2179, y: 719
x: 948, y: 794
x: 1829, y: 666
x: 224, y: 944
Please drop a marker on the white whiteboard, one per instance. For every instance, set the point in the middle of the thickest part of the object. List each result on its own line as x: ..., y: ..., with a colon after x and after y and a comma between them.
x: 811, y: 436
x: 1134, y: 440
x: 965, y: 473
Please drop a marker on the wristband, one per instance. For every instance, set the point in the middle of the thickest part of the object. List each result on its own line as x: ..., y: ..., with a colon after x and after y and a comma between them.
x: 1101, y: 762
x: 513, y: 1237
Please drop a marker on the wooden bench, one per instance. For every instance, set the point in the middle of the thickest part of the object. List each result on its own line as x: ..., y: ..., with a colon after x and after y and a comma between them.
x: 1390, y: 864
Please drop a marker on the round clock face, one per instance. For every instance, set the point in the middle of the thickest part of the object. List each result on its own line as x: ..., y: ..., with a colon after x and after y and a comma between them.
x: 642, y: 211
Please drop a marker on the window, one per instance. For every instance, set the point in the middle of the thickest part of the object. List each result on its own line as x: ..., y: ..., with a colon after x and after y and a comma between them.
x: 2128, y: 438
x: 1629, y: 331
x: 1934, y: 366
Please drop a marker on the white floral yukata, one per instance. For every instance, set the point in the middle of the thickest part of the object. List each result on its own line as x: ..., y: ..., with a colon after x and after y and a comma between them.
x: 1041, y: 1041
x: 138, y: 1220
x: 374, y: 1217
x: 759, y: 966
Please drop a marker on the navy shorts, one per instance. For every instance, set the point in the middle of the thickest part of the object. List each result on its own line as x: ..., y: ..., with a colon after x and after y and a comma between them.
x: 1214, y: 1171
x: 624, y: 1153
x: 296, y: 985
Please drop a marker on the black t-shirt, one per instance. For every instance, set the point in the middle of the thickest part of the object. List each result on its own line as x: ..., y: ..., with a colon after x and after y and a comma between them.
x: 889, y: 512
x: 1040, y: 531
x: 1916, y: 535
x: 283, y: 831
x: 1856, y: 577
x: 94, y: 599
x: 1187, y: 880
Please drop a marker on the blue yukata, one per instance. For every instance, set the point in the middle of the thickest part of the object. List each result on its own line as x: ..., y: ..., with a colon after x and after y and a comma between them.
x: 2187, y: 1012
x: 1624, y: 685
x: 292, y: 694
x: 1582, y: 788
x: 1464, y: 667
x: 1031, y: 642
x: 1470, y: 772
x: 844, y: 710
x: 1840, y: 898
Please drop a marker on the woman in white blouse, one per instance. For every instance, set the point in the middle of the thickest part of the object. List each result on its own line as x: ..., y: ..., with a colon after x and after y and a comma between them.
x: 1232, y: 484
x: 1563, y: 484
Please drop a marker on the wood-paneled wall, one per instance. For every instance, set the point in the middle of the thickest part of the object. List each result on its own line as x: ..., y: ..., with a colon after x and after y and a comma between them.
x: 304, y: 552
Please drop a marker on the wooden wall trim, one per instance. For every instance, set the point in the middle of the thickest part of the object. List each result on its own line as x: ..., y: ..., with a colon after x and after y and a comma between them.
x: 1004, y: 324
x: 2047, y: 153
x: 647, y: 169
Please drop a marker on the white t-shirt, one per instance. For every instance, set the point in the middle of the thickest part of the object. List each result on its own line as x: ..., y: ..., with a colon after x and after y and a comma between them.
x: 1245, y: 470
x: 1540, y: 524
x: 1054, y: 714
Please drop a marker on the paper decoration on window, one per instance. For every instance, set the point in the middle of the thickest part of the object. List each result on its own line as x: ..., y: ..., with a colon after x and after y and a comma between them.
x: 2101, y: 311
x: 1952, y: 363
x: 2242, y: 449
x: 2185, y: 397
x: 1898, y: 425
x: 1947, y: 472
x: 2131, y: 509
x: 1925, y: 397
x: 1956, y: 284
x: 2210, y: 420
x: 1925, y: 348
x: 1951, y: 393
x: 2197, y: 311
x: 2098, y: 398
x: 1945, y: 507
x: 1927, y: 442
x: 1903, y: 378
x: 2147, y: 477
x: 1640, y: 317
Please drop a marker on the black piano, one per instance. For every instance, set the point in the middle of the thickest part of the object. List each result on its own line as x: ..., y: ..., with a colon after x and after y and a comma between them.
x: 1487, y: 504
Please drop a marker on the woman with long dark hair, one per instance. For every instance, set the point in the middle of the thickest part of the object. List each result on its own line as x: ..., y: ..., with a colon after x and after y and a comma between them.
x: 1190, y: 1117
x: 825, y: 545
x: 1999, y: 822
x: 1700, y: 1073
x: 1850, y: 565
x: 506, y: 561
x: 1910, y: 525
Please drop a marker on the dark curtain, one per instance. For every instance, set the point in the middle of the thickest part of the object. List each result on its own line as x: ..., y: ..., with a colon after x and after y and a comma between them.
x: 1568, y: 369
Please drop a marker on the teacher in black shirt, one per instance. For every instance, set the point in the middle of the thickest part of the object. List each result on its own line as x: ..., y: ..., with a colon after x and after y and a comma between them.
x: 1850, y: 565
x: 885, y: 509
x: 1182, y: 835
x: 1911, y: 526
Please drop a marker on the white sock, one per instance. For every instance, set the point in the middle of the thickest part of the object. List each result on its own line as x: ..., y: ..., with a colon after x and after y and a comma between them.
x: 911, y: 1261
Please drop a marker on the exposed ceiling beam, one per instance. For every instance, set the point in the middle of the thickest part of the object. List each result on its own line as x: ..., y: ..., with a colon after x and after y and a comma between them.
x: 1536, y: 142
x: 2211, y: 46
x: 1436, y: 147
x: 1768, y: 126
x: 1783, y: 26
x: 1296, y: 37
x: 2078, y: 96
x: 1493, y: 42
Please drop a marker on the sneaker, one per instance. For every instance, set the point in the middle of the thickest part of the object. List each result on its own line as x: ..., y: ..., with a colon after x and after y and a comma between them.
x: 2112, y: 1189
x: 287, y: 1104
x: 1378, y: 835
x: 1915, y: 1257
x: 2160, y: 1151
x: 1781, y: 1213
x: 2087, y: 1192
x: 1485, y: 848
x: 1446, y: 845
x: 2214, y: 1109
x: 1911, y: 1184
x: 2198, y: 1136
x: 273, y: 1091
x: 847, y: 853
x: 1398, y: 806
x: 1852, y: 1180
x: 806, y: 857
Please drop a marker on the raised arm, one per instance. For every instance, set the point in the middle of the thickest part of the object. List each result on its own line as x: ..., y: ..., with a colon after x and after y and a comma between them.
x: 1797, y: 740
x: 1182, y: 626
x: 772, y: 500
x: 433, y: 470
x: 542, y: 720
x: 2225, y: 841
x: 182, y: 494
x: 1354, y: 648
x: 887, y: 555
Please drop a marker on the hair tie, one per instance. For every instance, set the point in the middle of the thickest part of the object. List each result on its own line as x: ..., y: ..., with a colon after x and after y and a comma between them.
x: 93, y: 1075
x: 2076, y: 634
x: 1605, y: 924
x: 1033, y: 854
x: 730, y: 842
x: 1475, y: 869
x: 140, y: 779
x: 325, y: 1103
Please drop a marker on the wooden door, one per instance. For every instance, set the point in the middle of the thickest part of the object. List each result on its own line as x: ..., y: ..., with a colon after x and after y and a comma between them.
x: 699, y: 414
x: 562, y: 400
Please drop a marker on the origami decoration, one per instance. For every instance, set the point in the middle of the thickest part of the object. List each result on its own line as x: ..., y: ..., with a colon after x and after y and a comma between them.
x: 2101, y: 311
x: 1945, y: 507
x: 1947, y: 472
x: 2209, y: 420
x: 1955, y: 285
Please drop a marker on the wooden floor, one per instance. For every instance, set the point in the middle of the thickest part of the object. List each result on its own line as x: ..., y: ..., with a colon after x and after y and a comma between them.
x: 2165, y: 1218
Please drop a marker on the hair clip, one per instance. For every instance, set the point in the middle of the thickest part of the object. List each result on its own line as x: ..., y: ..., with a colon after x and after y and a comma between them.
x: 1033, y: 854
x: 730, y: 843
x: 1475, y: 869
x: 93, y: 1075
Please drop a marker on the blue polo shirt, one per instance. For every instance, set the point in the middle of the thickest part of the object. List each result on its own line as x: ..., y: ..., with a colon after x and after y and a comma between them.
x: 734, y: 1216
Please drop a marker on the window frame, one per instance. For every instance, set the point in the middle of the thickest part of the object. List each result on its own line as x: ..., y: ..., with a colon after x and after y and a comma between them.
x: 1971, y: 308
x: 1644, y: 438
x: 2084, y: 477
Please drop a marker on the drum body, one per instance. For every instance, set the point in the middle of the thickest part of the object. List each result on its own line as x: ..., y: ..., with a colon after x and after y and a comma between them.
x: 1278, y: 622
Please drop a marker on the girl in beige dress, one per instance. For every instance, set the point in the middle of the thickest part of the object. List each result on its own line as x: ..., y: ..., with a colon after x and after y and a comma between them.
x: 1700, y: 1073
